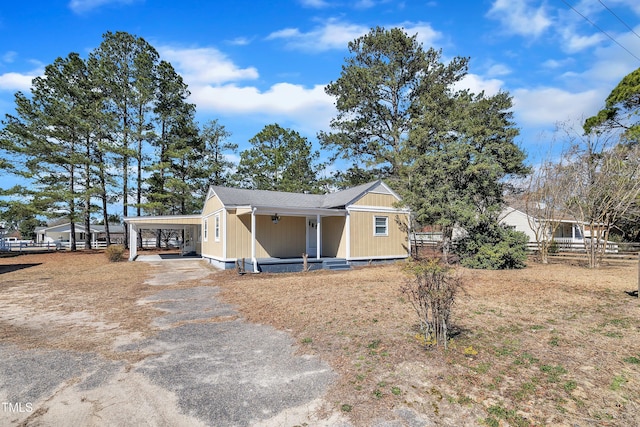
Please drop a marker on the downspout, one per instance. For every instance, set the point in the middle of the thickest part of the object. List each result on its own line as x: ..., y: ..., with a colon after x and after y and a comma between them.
x: 253, y: 240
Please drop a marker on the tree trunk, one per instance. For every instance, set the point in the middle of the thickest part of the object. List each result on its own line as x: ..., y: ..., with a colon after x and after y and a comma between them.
x: 72, y: 210
x: 103, y: 196
x: 125, y: 199
x: 447, y: 237
x: 87, y: 198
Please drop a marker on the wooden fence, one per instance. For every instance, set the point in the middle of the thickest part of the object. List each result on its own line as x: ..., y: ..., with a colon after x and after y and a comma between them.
x: 564, y: 247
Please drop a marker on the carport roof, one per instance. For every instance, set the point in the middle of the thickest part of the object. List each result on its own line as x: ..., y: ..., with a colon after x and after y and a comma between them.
x: 167, y: 220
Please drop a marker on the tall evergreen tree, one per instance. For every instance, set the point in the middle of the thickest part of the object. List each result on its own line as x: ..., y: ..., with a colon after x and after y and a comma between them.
x: 280, y: 159
x: 125, y: 65
x: 621, y: 110
x: 171, y: 104
x: 215, y: 165
x: 458, y: 161
x: 444, y: 150
x: 52, y: 135
x: 380, y: 93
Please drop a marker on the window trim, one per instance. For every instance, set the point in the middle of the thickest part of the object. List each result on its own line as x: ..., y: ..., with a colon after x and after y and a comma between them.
x: 375, y: 226
x: 205, y: 231
x: 216, y: 232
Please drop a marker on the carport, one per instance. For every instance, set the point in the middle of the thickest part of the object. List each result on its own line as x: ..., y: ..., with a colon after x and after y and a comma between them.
x: 190, y: 224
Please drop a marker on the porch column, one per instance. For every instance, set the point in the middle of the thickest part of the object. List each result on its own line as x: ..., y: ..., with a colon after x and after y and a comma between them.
x: 133, y: 241
x: 348, y: 227
x: 318, y: 238
x: 253, y: 240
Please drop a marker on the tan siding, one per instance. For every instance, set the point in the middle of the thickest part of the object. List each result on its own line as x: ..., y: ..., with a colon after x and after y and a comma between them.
x: 211, y: 247
x: 211, y: 205
x: 285, y: 239
x: 376, y: 199
x: 334, y: 236
x: 365, y: 244
x: 238, y: 235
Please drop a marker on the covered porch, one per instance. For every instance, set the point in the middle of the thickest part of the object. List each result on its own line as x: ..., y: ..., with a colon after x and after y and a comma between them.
x: 278, y: 237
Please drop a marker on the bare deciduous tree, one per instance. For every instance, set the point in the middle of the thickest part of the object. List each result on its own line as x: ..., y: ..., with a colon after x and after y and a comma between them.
x: 545, y: 204
x: 432, y: 290
x: 605, y: 183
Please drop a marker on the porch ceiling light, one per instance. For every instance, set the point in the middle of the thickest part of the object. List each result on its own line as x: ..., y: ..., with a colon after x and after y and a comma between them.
x: 275, y: 218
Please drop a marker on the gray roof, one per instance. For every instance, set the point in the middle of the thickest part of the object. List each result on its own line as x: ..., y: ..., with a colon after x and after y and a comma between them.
x: 242, y: 197
x: 62, y: 228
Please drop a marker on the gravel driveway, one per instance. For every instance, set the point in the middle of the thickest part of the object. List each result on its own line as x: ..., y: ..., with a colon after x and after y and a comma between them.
x: 208, y: 367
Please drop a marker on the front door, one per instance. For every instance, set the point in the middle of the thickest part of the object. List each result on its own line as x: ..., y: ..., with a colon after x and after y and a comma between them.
x: 312, y: 237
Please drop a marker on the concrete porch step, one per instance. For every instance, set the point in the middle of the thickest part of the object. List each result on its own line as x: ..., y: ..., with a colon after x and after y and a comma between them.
x: 336, y: 264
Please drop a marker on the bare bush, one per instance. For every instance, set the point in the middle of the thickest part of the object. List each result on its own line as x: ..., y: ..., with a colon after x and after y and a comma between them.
x: 432, y: 290
x: 115, y: 253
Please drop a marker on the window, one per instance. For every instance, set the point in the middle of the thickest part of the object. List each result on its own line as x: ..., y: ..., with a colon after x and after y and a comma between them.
x: 217, y: 227
x: 380, y: 226
x: 205, y: 232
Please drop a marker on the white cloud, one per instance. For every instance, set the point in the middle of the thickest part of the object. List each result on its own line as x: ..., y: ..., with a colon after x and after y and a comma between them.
x: 16, y: 82
x: 573, y: 42
x: 239, y: 41
x: 557, y: 63
x: 335, y: 34
x: 82, y: 6
x: 519, y: 17
x: 365, y: 4
x: 310, y: 107
x: 9, y: 57
x: 332, y: 35
x: 205, y: 65
x: 477, y: 84
x: 545, y: 106
x: 214, y: 82
x: 315, y: 4
x: 425, y: 33
x: 499, y: 70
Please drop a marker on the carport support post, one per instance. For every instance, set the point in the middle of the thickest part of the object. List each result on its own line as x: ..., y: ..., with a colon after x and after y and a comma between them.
x: 133, y: 241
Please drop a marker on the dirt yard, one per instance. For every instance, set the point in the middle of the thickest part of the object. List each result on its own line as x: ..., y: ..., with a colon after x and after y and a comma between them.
x: 547, y: 345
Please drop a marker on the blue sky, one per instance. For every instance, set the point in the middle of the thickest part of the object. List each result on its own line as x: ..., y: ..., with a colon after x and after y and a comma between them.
x: 252, y: 63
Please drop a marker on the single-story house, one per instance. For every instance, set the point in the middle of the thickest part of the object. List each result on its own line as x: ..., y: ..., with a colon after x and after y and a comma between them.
x: 569, y: 231
x: 569, y: 234
x: 262, y: 228
x: 61, y: 234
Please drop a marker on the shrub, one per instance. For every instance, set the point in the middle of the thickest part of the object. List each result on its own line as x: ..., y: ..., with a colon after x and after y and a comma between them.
x: 493, y: 247
x: 115, y: 253
x: 431, y: 290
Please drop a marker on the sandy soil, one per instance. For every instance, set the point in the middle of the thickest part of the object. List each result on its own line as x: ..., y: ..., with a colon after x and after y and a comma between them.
x: 547, y: 345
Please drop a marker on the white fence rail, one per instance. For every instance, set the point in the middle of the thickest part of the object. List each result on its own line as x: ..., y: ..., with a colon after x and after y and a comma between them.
x: 24, y: 246
x: 421, y: 240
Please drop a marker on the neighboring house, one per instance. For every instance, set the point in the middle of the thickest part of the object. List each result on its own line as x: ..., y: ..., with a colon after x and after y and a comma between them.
x: 61, y: 234
x: 267, y: 228
x: 569, y: 234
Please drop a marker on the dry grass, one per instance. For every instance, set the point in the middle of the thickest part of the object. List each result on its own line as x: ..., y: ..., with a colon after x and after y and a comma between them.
x: 73, y: 301
x: 547, y: 345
